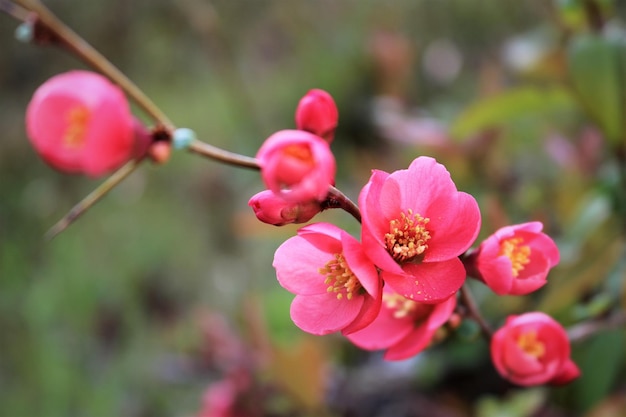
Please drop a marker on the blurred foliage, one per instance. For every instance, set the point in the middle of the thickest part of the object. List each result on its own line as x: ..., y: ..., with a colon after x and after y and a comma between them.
x: 109, y: 319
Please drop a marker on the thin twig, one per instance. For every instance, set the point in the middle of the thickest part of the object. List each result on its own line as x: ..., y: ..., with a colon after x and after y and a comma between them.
x: 587, y: 329
x: 77, y: 45
x: 221, y: 155
x: 12, y: 9
x: 473, y: 312
x: 92, y: 198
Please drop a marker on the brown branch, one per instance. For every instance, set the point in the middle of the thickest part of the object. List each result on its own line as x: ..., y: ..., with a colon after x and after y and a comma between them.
x: 587, y: 329
x: 86, y: 203
x: 473, y: 311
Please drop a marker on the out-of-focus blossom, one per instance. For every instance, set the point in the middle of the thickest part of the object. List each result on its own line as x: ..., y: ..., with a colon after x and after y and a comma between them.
x: 403, y: 327
x: 515, y: 259
x: 79, y: 122
x: 337, y: 287
x: 273, y: 209
x: 297, y: 165
x: 227, y: 397
x: 533, y: 349
x: 415, y: 225
x: 317, y: 113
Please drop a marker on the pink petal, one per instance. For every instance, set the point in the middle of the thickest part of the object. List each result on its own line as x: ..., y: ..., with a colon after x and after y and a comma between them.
x: 323, y: 236
x: 361, y: 265
x: 421, y: 336
x: 369, y: 311
x: 386, y: 330
x: 428, y: 282
x: 322, y: 314
x: 454, y: 225
x: 568, y: 372
x: 297, y: 265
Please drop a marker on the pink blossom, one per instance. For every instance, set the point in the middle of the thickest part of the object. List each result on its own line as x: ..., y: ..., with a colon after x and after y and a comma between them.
x: 227, y: 396
x: 297, y: 165
x: 79, y: 122
x: 515, y: 259
x: 273, y: 209
x: 415, y: 225
x: 317, y: 113
x: 337, y: 287
x: 403, y: 327
x: 533, y: 349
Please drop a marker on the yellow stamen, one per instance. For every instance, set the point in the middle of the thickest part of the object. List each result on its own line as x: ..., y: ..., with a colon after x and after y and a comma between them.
x: 407, y: 236
x: 77, y: 119
x: 402, y: 306
x: 528, y: 342
x: 518, y: 254
x: 340, y: 278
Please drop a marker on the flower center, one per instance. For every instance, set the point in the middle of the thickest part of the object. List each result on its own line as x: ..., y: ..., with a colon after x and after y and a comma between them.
x: 340, y: 278
x: 518, y: 254
x: 528, y: 342
x: 407, y: 236
x: 301, y: 153
x: 403, y: 307
x: 77, y: 119
x: 400, y: 305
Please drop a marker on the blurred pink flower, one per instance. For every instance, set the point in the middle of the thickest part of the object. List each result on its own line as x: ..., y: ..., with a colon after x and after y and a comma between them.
x: 533, y: 349
x: 403, y: 327
x: 415, y: 225
x: 337, y: 287
x: 227, y: 397
x: 515, y: 259
x: 297, y: 165
x: 317, y: 113
x: 273, y: 209
x: 79, y: 122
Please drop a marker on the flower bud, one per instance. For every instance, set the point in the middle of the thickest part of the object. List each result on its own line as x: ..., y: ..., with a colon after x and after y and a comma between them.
x: 317, y: 113
x: 273, y: 209
x: 515, y: 259
x: 79, y: 122
x: 297, y: 165
x: 533, y: 349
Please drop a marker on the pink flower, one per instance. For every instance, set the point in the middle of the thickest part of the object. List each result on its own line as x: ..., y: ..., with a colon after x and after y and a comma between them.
x: 515, y: 259
x: 273, y: 209
x: 415, y: 225
x: 297, y: 165
x: 403, y: 327
x: 227, y: 397
x: 317, y: 113
x: 336, y: 285
x: 79, y: 122
x: 533, y: 349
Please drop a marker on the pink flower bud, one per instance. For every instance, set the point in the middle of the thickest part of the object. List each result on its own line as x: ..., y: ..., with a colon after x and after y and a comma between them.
x: 79, y: 122
x: 273, y: 209
x: 297, y: 165
x: 533, y: 349
x: 317, y: 113
x: 515, y: 259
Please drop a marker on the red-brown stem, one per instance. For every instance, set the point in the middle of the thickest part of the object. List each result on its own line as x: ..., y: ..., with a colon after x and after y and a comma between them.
x: 474, y: 313
x: 341, y: 201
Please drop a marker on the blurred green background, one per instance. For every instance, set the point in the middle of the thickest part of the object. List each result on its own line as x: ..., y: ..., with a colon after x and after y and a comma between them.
x: 166, y: 286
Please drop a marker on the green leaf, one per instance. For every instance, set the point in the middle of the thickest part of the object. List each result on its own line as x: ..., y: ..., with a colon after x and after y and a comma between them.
x: 511, y: 105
